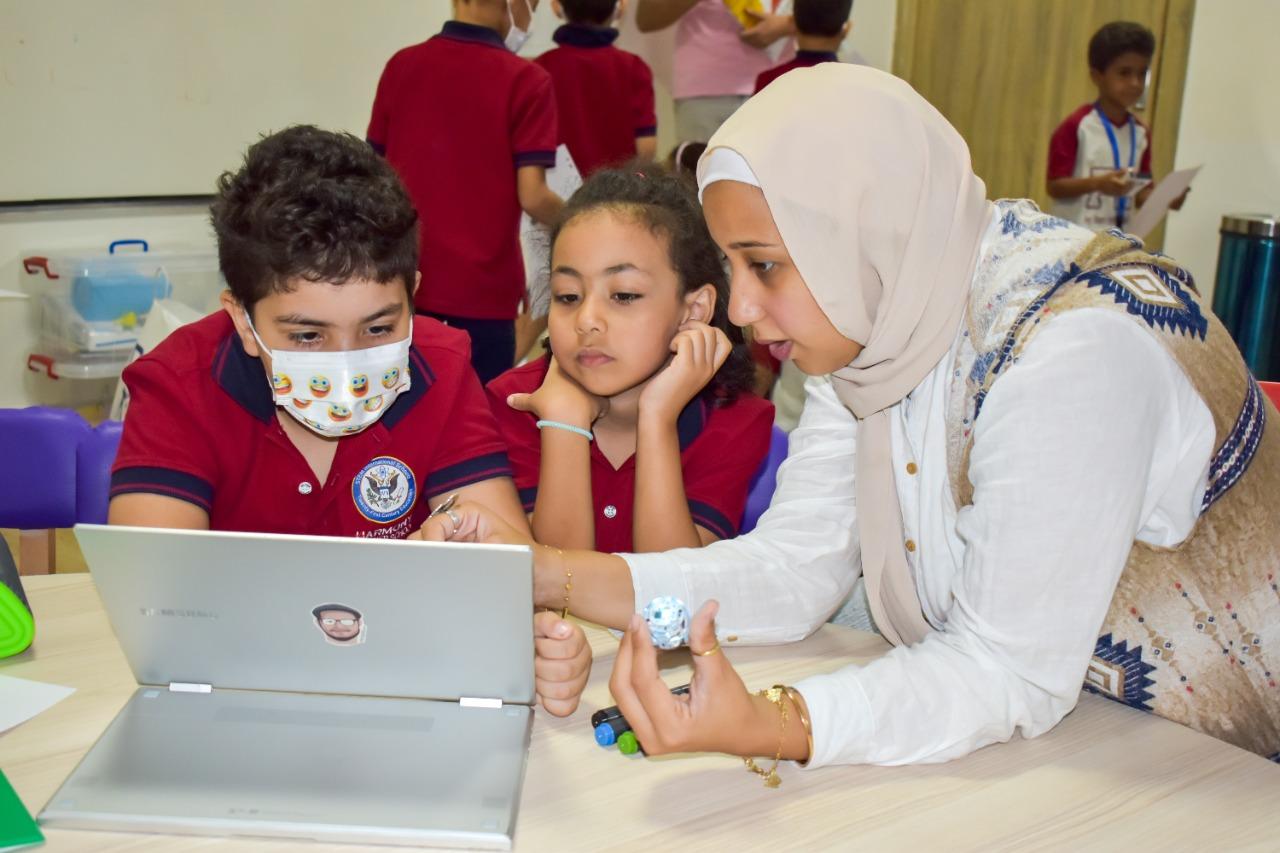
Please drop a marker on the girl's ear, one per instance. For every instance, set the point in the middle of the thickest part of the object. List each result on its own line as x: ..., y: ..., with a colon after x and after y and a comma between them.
x: 700, y: 304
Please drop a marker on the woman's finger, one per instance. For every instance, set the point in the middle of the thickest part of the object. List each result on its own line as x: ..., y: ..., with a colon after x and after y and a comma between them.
x: 709, y: 661
x: 621, y: 683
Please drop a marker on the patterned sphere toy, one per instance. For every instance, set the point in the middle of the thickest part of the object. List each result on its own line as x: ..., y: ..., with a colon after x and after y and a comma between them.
x: 668, y: 621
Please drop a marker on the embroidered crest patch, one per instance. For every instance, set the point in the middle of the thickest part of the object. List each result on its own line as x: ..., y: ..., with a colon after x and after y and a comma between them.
x: 384, y: 490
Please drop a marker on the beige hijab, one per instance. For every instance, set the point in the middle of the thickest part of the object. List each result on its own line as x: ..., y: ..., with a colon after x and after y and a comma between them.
x: 875, y: 198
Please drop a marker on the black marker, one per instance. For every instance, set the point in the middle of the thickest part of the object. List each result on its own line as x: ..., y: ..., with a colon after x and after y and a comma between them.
x: 609, y: 724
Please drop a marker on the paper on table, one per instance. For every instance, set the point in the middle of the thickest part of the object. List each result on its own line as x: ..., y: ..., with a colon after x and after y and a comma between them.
x: 1157, y: 205
x: 20, y: 699
x: 535, y: 240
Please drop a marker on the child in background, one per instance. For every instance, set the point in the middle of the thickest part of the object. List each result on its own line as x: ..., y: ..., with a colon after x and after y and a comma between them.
x: 1098, y: 150
x: 638, y: 432
x: 604, y: 95
x: 821, y: 26
x: 471, y: 128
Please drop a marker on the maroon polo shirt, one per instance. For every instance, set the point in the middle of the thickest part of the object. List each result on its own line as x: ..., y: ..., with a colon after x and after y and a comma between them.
x: 721, y: 448
x: 604, y: 96
x: 803, y: 59
x: 202, y: 428
x: 456, y: 116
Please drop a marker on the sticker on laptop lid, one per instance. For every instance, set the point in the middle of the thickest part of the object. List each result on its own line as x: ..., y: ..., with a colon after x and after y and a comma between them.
x: 341, y: 624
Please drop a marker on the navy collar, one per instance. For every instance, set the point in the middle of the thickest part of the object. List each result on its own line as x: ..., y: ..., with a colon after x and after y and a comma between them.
x: 584, y: 35
x: 459, y: 31
x: 817, y: 56
x: 242, y: 377
x: 691, y: 421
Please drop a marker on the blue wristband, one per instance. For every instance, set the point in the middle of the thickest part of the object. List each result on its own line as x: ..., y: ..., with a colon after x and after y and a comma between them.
x: 585, y: 433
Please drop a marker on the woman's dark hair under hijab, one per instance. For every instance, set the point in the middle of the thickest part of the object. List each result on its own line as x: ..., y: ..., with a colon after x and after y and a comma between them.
x: 669, y: 207
x: 313, y: 204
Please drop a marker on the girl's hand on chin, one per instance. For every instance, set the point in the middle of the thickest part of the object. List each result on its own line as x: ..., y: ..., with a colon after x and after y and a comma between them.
x: 561, y: 398
x: 699, y: 351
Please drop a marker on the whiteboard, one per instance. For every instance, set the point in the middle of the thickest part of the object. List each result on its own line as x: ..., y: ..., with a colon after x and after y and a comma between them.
x: 122, y: 98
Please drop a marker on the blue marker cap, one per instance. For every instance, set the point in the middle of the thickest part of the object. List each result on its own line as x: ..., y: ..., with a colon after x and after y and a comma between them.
x: 605, y: 735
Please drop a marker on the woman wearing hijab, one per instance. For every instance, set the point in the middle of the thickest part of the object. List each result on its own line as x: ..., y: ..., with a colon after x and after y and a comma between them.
x: 1046, y: 460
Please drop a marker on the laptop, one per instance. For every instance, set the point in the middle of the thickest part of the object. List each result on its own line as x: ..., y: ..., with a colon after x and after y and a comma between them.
x: 342, y: 690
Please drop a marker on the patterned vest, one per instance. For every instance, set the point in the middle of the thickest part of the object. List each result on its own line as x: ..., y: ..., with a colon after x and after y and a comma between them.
x: 1193, y: 632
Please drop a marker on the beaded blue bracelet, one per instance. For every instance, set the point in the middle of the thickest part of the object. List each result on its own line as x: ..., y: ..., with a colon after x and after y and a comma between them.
x: 585, y: 433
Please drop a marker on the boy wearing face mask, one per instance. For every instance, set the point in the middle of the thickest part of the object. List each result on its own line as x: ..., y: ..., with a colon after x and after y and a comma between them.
x: 317, y: 402
x: 604, y: 95
x: 471, y: 129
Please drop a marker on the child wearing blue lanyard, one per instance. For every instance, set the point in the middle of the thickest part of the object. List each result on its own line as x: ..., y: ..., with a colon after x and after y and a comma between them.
x: 1101, y: 152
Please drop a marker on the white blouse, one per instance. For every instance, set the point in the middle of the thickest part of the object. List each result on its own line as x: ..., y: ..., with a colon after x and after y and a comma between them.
x: 1092, y: 439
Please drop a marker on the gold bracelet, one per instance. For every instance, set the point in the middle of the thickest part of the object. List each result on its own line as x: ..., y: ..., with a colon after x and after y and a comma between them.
x: 802, y: 711
x: 771, y: 778
x: 568, y: 584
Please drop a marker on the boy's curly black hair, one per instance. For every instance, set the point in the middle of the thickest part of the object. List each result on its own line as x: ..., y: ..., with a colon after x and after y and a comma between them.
x: 1117, y: 38
x: 669, y: 207
x: 313, y: 204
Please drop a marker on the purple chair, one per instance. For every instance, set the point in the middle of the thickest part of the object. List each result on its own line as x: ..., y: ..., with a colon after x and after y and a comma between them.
x: 38, y: 489
x: 94, y: 456
x: 762, y: 485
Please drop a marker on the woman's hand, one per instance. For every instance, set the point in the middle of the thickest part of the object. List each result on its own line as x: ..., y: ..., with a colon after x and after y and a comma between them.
x: 562, y: 399
x: 717, y: 714
x: 699, y: 350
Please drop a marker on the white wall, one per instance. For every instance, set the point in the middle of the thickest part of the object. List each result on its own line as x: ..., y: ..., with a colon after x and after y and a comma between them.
x: 1231, y: 124
x: 72, y: 23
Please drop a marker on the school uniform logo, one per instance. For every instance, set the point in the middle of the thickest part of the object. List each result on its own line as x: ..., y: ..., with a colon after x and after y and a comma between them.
x: 384, y: 490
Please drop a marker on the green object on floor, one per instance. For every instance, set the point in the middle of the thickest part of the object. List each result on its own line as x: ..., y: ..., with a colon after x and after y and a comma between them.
x: 17, y: 626
x: 17, y: 828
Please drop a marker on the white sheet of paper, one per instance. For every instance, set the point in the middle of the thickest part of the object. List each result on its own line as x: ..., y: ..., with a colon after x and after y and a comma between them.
x: 535, y: 240
x: 20, y: 699
x: 1150, y: 214
x: 12, y: 294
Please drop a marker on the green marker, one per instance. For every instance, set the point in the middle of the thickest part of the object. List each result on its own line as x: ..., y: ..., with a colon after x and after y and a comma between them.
x: 627, y: 743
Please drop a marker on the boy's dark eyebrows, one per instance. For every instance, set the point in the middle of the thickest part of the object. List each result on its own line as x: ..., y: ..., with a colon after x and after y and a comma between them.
x: 385, y: 311
x: 562, y: 269
x: 625, y: 266
x: 299, y: 320
x: 752, y: 244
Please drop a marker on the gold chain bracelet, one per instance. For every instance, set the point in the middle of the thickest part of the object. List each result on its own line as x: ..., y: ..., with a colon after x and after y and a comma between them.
x: 774, y: 694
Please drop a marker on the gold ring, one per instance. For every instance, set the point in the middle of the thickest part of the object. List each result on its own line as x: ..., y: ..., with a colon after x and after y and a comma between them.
x: 709, y: 652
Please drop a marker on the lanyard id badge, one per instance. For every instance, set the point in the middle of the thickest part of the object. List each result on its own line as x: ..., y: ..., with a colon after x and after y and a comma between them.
x: 1122, y: 202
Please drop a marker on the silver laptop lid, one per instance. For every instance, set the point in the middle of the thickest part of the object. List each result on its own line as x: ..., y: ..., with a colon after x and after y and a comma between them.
x: 317, y: 614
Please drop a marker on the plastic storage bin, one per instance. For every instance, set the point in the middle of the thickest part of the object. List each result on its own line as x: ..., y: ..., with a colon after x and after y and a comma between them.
x: 92, y: 307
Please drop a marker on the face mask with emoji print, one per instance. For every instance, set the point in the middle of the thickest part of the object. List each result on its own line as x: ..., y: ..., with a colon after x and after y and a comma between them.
x: 338, y: 393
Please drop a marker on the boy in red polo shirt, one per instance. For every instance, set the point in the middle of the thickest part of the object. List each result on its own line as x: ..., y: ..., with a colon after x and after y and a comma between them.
x: 604, y: 95
x: 315, y: 403
x: 471, y: 128
x: 821, y: 26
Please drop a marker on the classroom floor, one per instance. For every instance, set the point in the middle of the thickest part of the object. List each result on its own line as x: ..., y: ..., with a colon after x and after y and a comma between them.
x: 67, y: 556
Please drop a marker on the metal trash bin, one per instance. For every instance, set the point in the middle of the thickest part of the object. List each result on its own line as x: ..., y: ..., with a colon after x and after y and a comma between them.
x: 1246, y: 292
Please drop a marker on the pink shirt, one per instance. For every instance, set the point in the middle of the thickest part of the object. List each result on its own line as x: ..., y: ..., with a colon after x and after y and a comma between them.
x: 710, y: 58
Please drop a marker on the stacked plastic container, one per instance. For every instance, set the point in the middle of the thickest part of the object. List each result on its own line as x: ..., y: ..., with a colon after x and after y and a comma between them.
x: 92, y: 307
